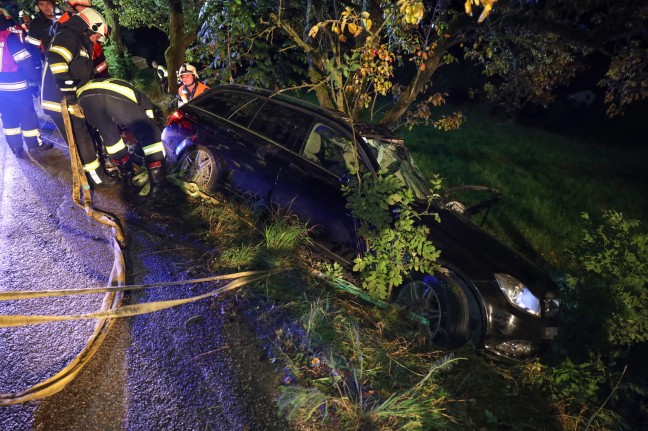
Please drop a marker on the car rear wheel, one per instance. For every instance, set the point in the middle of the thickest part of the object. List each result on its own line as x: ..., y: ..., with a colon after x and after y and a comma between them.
x: 446, y: 301
x: 199, y: 165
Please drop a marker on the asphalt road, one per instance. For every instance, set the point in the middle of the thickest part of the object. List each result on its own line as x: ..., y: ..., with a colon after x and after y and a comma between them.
x: 193, y: 367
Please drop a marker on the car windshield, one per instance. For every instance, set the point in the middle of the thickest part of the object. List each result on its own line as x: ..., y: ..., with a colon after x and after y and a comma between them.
x: 393, y: 156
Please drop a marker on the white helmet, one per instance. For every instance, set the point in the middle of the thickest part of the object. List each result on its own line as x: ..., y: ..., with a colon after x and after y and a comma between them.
x: 72, y: 3
x: 187, y: 68
x: 96, y: 23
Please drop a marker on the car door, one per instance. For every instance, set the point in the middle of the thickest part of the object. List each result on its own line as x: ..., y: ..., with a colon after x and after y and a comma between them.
x: 266, y: 144
x: 311, y: 186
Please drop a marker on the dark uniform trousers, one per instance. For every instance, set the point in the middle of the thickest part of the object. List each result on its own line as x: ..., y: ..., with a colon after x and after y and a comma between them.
x: 112, y: 104
x: 19, y: 119
x: 51, y: 98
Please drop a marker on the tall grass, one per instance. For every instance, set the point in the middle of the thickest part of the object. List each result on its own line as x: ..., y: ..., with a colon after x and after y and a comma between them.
x: 547, y: 179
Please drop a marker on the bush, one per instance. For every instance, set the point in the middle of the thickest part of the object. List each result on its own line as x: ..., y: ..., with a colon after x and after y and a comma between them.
x: 608, y: 296
x: 396, y: 244
x: 120, y: 66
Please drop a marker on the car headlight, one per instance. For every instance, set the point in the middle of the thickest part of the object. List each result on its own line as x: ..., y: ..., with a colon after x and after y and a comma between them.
x: 518, y: 294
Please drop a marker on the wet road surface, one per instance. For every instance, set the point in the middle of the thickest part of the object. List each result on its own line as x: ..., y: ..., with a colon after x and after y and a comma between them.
x: 193, y: 367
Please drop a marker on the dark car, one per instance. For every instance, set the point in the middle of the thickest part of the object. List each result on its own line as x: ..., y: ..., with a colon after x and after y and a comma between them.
x: 282, y: 150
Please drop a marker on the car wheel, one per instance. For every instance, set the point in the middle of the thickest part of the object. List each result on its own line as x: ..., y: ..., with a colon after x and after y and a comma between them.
x: 198, y: 165
x: 446, y: 301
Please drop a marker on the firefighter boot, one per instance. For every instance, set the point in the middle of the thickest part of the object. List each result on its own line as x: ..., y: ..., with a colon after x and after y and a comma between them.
x: 125, y: 169
x: 40, y: 148
x: 157, y: 180
x: 97, y: 178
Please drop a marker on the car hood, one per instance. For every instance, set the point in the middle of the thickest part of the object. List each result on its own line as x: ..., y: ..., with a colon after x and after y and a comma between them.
x: 479, y: 255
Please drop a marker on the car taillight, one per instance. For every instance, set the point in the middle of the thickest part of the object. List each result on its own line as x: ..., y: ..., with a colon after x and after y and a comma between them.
x: 180, y: 120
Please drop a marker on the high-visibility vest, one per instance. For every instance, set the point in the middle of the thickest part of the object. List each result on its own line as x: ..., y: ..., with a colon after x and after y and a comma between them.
x: 8, y: 64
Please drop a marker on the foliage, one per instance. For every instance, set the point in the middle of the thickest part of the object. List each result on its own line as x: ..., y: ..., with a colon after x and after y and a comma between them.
x: 234, y: 49
x: 155, y: 13
x: 610, y: 292
x: 531, y: 66
x: 575, y: 391
x: 349, y: 53
x: 396, y: 245
x: 121, y: 66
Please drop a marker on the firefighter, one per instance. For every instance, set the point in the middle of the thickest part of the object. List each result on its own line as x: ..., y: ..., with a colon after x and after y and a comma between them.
x: 98, y: 57
x: 162, y: 75
x: 111, y: 105
x: 191, y: 86
x: 100, y: 71
x: 25, y: 19
x: 16, y: 104
x: 69, y: 59
x: 39, y: 36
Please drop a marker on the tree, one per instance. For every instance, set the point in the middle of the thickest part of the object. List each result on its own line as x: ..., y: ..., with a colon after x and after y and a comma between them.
x: 177, y: 18
x: 355, y: 54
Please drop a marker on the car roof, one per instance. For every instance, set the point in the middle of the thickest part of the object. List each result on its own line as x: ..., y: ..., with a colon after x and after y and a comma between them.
x: 366, y: 130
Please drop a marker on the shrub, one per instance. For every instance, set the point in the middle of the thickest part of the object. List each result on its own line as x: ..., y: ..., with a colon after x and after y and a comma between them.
x: 608, y: 296
x: 395, y: 244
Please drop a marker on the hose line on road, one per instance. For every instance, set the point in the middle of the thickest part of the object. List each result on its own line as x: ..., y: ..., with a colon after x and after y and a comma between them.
x: 111, y: 300
x: 110, y: 309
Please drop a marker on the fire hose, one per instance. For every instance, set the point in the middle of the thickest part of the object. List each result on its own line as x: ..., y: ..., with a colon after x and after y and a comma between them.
x: 111, y: 299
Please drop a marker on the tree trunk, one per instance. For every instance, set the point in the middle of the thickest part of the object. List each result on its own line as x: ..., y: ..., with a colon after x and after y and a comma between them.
x: 115, y: 27
x: 179, y: 40
x: 416, y: 86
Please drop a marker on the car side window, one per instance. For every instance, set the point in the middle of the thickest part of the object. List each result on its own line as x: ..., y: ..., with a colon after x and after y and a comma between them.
x: 282, y: 124
x: 223, y: 103
x: 332, y: 150
x: 245, y: 113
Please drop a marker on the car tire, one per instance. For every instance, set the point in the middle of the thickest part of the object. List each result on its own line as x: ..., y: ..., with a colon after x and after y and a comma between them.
x: 447, y: 302
x: 199, y: 165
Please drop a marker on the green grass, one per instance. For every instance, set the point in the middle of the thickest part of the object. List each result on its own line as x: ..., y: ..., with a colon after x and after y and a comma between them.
x: 547, y: 179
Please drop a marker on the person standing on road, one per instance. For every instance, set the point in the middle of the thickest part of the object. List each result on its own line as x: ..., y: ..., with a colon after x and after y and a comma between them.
x: 17, y: 70
x: 69, y: 59
x: 191, y: 86
x: 111, y: 105
x: 39, y: 37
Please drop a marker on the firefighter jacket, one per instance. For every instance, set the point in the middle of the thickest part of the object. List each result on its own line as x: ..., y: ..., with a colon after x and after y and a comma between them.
x: 98, y: 57
x: 186, y: 93
x: 39, y: 36
x: 69, y: 60
x: 112, y: 104
x: 17, y: 68
x: 162, y: 72
x: 119, y: 89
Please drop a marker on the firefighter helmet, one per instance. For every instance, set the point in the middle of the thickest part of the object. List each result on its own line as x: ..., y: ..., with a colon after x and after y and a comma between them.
x: 73, y: 3
x: 187, y: 69
x: 96, y: 23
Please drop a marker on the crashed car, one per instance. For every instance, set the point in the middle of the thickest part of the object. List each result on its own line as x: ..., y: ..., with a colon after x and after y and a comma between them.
x: 284, y: 151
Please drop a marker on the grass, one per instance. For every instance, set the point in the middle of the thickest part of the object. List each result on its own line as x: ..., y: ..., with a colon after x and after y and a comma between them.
x: 547, y: 179
x: 346, y: 364
x: 349, y: 365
